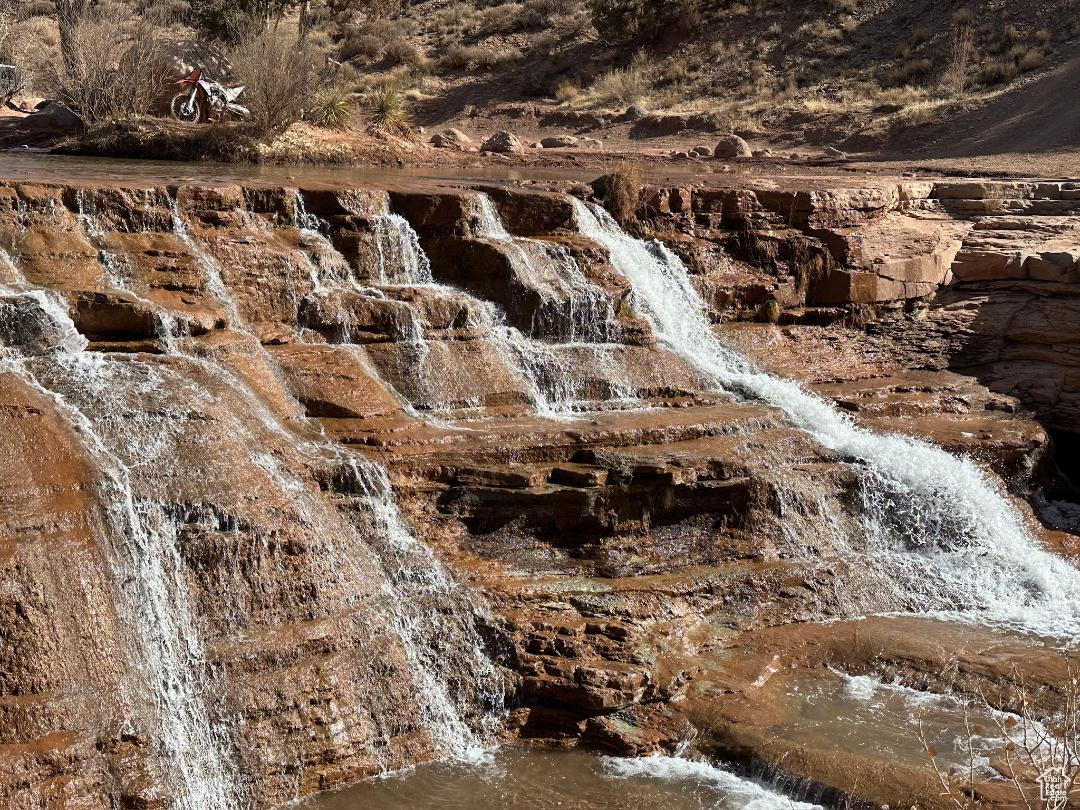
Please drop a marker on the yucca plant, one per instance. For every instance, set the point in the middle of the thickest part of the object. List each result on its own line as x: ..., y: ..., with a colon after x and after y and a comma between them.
x: 387, y: 110
x: 331, y: 107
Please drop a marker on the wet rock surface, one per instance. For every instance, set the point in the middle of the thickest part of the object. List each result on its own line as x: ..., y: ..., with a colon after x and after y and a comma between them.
x: 647, y: 545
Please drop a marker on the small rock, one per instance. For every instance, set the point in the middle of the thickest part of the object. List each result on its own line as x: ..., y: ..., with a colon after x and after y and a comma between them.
x: 453, y: 139
x: 536, y: 145
x: 762, y: 153
x: 503, y: 142
x: 680, y: 154
x: 591, y: 143
x: 635, y: 112
x: 559, y: 142
x: 701, y: 151
x: 833, y: 152
x: 731, y: 146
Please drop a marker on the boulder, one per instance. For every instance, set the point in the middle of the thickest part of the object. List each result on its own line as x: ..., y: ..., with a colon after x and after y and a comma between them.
x: 504, y: 143
x: 453, y: 139
x: 635, y: 112
x: 732, y: 146
x: 559, y: 142
x: 591, y: 143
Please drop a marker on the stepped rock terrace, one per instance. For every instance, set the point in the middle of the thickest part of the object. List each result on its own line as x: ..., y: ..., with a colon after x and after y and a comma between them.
x: 308, y: 484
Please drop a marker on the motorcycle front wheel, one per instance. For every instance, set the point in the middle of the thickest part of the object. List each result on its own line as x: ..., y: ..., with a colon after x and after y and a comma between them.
x: 185, y: 108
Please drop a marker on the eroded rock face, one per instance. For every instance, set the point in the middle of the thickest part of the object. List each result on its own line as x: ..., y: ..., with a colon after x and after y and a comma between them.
x: 232, y: 363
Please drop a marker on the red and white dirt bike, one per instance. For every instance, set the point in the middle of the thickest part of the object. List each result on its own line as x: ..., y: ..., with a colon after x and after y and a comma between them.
x: 206, y: 99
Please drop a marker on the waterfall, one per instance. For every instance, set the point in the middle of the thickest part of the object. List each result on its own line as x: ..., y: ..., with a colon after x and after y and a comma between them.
x: 573, y: 309
x: 422, y: 589
x: 145, y: 558
x: 214, y: 282
x: 401, y: 258
x: 116, y: 270
x: 944, y: 537
x: 432, y: 616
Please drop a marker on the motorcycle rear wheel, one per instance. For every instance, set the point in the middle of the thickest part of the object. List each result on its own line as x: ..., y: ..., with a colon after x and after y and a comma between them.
x: 182, y: 110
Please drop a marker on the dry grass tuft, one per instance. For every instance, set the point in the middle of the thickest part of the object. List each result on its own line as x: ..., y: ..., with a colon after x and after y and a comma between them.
x: 621, y: 191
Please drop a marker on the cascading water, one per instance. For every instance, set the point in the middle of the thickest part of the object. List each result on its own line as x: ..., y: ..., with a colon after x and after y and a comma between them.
x: 946, y: 539
x: 123, y: 410
x: 214, y: 282
x: 144, y: 555
x: 401, y: 258
x: 573, y: 310
x: 440, y: 643
x: 403, y: 263
x: 116, y: 270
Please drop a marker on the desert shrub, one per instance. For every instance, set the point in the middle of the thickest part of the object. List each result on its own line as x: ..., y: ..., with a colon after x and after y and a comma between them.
x: 165, y: 12
x: 233, y: 21
x: 908, y: 72
x: 566, y: 91
x: 113, y: 65
x: 459, y: 57
x: 963, y: 17
x: 36, y: 8
x: 360, y: 45
x: 502, y: 19
x: 1043, y: 36
x: 956, y: 77
x: 623, y: 85
x: 675, y: 71
x: 279, y: 71
x: 491, y: 58
x: 536, y: 14
x: 402, y: 52
x: 387, y: 110
x: 331, y: 107
x: 620, y: 190
x: 463, y: 57
x: 919, y: 35
x: 1031, y: 60
x: 621, y: 20
x: 992, y: 73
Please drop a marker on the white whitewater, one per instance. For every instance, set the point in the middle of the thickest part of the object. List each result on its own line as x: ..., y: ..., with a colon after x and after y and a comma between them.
x: 945, y: 538
x: 421, y: 588
x: 573, y: 309
x: 431, y: 614
x: 577, y: 313
x: 212, y: 271
x: 737, y: 793
x: 145, y: 557
x: 401, y: 258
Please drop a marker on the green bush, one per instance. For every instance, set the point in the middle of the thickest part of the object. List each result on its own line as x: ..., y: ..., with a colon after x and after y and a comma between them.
x: 331, y: 108
x: 387, y: 111
x: 621, y: 20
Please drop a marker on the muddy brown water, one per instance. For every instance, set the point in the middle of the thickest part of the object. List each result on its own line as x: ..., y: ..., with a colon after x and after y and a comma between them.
x: 40, y: 167
x: 538, y: 779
